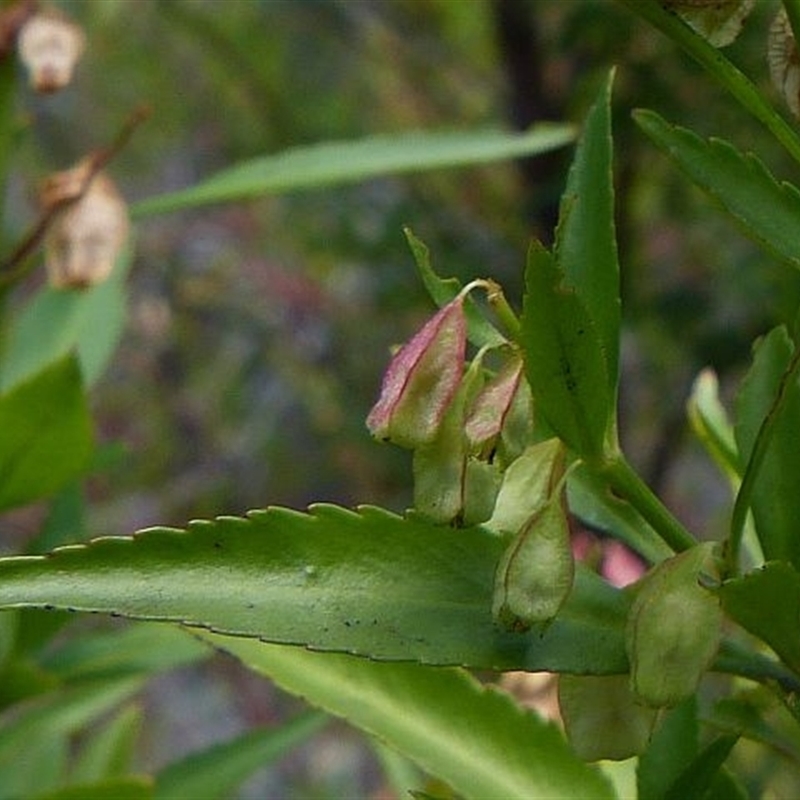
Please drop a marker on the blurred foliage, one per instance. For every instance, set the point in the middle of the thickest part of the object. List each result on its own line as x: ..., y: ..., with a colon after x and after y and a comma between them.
x: 244, y: 376
x: 258, y: 332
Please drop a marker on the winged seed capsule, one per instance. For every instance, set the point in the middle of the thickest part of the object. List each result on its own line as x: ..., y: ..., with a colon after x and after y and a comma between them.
x: 86, y: 237
x: 784, y: 61
x: 717, y: 21
x: 50, y: 45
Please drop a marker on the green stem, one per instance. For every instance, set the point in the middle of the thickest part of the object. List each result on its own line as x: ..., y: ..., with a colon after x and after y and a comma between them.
x: 625, y: 481
x: 733, y: 659
x: 508, y: 319
x: 744, y: 498
x: 720, y: 68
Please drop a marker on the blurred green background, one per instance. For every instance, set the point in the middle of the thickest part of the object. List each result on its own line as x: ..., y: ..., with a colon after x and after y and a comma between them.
x: 258, y: 331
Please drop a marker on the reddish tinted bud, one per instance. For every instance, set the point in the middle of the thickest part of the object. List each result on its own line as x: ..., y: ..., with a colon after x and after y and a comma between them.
x: 422, y: 380
x: 491, y: 407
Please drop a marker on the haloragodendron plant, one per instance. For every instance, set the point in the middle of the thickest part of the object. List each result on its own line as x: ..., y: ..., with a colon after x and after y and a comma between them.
x: 377, y: 617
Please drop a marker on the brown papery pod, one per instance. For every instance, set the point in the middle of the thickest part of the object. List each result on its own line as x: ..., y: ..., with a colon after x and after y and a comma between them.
x: 784, y: 61
x: 717, y: 21
x: 86, y: 237
x: 50, y: 45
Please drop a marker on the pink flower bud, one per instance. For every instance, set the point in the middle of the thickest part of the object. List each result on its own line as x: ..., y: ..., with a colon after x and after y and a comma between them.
x: 491, y: 407
x: 422, y: 379
x: 50, y: 45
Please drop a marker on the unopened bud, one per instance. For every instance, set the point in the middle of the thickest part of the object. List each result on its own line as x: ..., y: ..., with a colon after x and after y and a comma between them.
x: 673, y: 630
x: 784, y: 61
x: 488, y: 414
x: 422, y: 380
x: 50, y: 45
x: 534, y: 575
x: 86, y: 237
x: 717, y: 21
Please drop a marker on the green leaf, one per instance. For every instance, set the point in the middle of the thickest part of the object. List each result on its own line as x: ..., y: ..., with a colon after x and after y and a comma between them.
x: 50, y: 718
x: 216, y: 772
x: 131, y: 788
x: 673, y: 746
x: 767, y: 604
x: 476, y: 739
x: 750, y: 96
x: 586, y: 247
x: 367, y: 582
x: 47, y: 435
x: 699, y: 775
x: 108, y: 753
x: 774, y: 499
x: 136, y: 649
x: 57, y: 322
x: 333, y: 163
x: 710, y: 424
x: 767, y: 211
x: 564, y: 358
x: 480, y: 331
x: 590, y: 498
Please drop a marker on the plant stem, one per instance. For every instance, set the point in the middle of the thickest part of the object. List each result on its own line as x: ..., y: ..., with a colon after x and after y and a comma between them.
x: 741, y: 87
x: 625, y: 481
x: 733, y: 659
x: 497, y: 300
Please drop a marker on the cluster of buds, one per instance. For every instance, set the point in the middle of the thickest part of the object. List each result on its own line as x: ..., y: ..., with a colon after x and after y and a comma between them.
x: 50, y: 46
x: 475, y: 461
x: 88, y: 229
x: 462, y: 426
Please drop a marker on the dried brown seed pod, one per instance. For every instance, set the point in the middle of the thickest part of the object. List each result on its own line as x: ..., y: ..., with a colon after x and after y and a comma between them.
x: 50, y: 45
x: 86, y: 237
x: 784, y: 61
x: 718, y: 21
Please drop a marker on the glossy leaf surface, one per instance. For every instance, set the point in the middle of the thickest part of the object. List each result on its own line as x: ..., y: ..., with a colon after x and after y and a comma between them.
x: 500, y: 750
x: 366, y: 582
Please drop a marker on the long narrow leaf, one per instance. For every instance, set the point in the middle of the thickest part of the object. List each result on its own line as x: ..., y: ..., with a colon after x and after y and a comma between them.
x: 586, y: 246
x: 216, y: 772
x: 475, y: 739
x: 751, y: 97
x: 369, y: 582
x: 333, y: 163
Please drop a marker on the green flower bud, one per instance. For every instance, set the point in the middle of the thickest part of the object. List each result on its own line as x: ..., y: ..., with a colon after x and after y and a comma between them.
x: 673, y: 630
x: 535, y: 574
